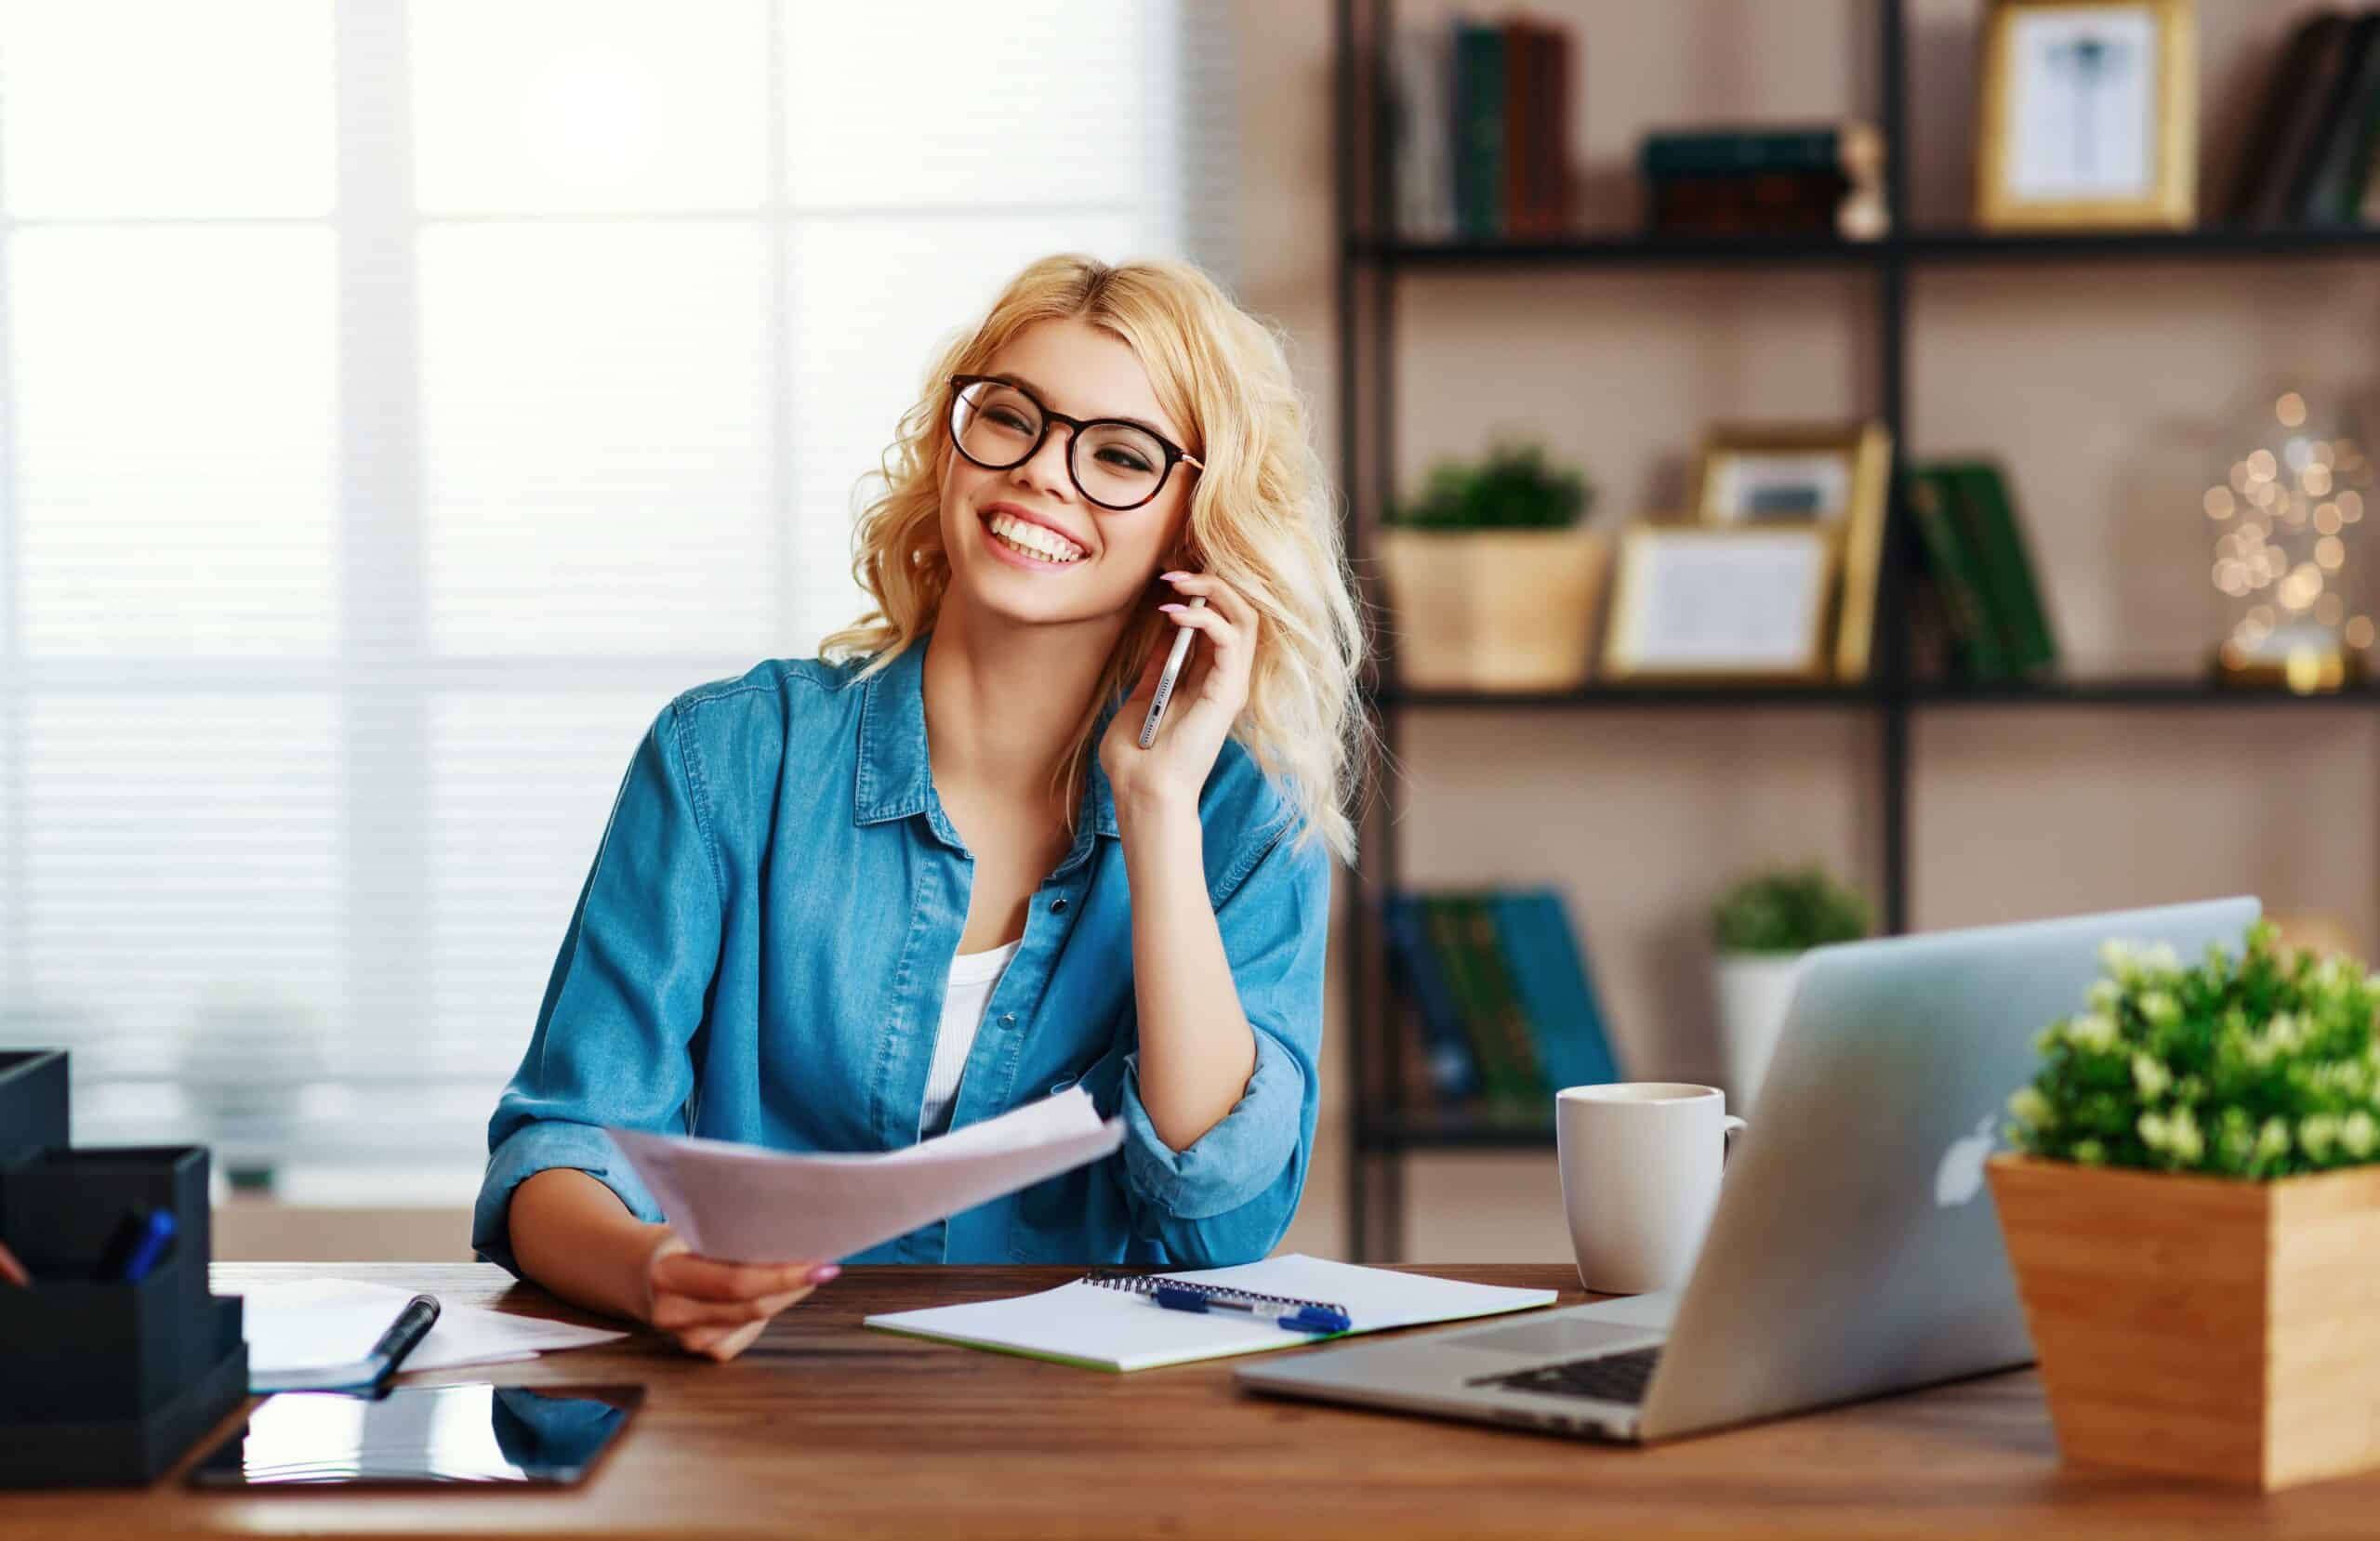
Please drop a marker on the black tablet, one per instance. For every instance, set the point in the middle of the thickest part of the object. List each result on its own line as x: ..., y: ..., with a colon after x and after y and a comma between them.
x: 475, y: 1434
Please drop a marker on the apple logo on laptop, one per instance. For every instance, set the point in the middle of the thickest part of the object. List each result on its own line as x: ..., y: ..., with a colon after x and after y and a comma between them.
x: 1960, y: 1177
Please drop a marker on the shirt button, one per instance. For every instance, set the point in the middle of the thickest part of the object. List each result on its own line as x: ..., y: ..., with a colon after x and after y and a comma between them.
x: 1058, y: 906
x: 1008, y: 1019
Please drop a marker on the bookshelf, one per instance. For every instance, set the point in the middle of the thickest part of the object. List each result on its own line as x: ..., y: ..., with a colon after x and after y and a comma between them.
x: 1370, y: 265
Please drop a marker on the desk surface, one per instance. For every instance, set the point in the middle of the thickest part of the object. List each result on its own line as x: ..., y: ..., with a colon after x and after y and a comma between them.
x: 823, y: 1428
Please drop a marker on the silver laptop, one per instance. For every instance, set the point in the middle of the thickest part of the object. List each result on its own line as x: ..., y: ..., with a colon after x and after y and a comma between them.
x: 1854, y: 1252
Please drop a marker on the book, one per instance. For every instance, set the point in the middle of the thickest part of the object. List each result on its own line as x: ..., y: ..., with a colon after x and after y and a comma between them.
x: 1479, y: 129
x: 2012, y: 598
x: 2341, y: 76
x: 1854, y: 149
x: 1529, y: 1093
x: 1564, y: 1016
x: 1102, y: 1327
x: 1975, y: 638
x: 1556, y: 43
x: 1764, y: 202
x: 1734, y: 181
x: 1421, y: 133
x: 2290, y: 124
x: 1498, y: 1039
x: 2276, y: 111
x: 1444, y: 926
x: 2333, y: 189
x: 1516, y: 211
x: 1453, y: 1073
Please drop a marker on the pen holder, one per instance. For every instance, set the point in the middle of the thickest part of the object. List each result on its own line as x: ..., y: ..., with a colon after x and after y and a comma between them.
x: 108, y: 1381
x: 33, y: 1101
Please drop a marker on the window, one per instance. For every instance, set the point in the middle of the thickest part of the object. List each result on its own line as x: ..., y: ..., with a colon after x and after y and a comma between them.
x: 401, y: 403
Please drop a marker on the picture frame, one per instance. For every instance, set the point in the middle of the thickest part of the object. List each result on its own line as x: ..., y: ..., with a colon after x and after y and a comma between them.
x: 1834, y: 476
x: 2088, y: 114
x: 1698, y: 605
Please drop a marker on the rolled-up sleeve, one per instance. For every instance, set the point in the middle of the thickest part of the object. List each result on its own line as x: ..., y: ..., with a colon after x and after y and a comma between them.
x: 625, y: 998
x: 1230, y: 1195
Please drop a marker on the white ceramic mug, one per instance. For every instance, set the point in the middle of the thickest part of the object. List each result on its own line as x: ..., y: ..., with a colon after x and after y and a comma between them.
x: 1641, y: 1162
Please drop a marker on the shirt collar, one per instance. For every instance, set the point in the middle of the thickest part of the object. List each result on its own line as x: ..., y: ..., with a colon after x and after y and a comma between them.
x: 896, y: 773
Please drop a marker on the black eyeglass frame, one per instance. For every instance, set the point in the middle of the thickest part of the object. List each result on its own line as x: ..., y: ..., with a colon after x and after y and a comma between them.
x: 1173, y: 451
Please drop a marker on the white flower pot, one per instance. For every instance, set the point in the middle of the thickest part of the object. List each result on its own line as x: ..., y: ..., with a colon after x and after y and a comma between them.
x: 1755, y: 989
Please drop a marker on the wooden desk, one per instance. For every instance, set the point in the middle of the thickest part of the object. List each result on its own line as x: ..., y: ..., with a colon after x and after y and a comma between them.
x: 824, y: 1428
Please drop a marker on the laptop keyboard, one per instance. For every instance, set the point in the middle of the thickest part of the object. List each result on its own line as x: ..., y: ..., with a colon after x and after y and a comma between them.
x: 1606, y: 1377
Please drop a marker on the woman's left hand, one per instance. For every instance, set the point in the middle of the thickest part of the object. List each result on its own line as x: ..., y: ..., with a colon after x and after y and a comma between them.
x: 1207, y: 697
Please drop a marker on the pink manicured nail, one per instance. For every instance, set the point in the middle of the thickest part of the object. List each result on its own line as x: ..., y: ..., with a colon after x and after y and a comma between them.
x: 825, y: 1273
x: 1173, y: 607
x: 1168, y: 577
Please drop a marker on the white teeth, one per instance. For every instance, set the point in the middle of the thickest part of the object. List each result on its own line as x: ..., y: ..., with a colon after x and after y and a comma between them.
x: 1042, y: 541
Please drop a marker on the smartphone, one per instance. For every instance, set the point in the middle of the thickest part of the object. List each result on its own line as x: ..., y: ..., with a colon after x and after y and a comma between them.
x: 1174, y: 662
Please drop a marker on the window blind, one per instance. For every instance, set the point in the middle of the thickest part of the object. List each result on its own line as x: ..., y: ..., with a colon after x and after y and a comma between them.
x: 401, y: 403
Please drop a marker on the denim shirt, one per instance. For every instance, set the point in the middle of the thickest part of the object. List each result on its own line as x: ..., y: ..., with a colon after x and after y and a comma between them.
x: 760, y: 951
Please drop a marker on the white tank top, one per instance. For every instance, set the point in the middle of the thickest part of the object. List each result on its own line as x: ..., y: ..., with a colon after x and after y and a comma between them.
x: 974, y: 976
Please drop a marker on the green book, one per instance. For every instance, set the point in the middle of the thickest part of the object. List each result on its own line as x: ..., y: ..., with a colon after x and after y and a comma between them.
x: 1979, y: 495
x: 1479, y: 129
x: 1443, y: 917
x: 1507, y: 1016
x: 1975, y: 638
x: 1722, y: 151
x: 2323, y: 188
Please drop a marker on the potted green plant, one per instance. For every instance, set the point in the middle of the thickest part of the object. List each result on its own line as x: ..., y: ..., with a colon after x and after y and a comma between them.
x: 2193, y: 1215
x: 1493, y: 574
x: 1759, y: 931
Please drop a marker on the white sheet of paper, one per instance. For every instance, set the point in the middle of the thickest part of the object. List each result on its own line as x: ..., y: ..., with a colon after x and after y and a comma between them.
x: 746, y: 1203
x: 1083, y: 1324
x: 316, y: 1323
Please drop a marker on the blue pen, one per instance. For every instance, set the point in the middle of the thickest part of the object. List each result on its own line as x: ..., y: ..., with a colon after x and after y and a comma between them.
x: 1311, y: 1319
x: 139, y: 1242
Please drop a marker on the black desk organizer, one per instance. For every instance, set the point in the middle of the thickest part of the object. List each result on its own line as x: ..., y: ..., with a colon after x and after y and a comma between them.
x: 103, y: 1382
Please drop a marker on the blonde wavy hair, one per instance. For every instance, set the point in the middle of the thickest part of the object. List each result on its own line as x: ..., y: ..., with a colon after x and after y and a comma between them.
x: 1262, y: 519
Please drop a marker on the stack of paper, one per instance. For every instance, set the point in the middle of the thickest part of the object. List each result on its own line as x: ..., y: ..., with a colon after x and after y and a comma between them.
x: 747, y: 1205
x: 1108, y: 1329
x: 330, y: 1323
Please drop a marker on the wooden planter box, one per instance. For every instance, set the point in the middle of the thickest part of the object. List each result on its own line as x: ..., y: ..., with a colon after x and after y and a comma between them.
x: 1494, y: 609
x: 2201, y: 1326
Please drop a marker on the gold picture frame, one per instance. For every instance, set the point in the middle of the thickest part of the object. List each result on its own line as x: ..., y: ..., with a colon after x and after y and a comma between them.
x: 1692, y: 605
x: 1835, y: 476
x: 2059, y: 143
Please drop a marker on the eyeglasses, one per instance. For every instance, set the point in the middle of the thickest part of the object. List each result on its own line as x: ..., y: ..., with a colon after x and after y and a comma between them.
x: 1000, y: 425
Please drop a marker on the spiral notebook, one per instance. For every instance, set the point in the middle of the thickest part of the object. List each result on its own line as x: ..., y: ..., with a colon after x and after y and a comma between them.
x: 1109, y: 1323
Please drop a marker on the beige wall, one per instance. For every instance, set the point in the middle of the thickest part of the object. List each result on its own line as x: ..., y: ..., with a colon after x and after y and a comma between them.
x: 2098, y: 386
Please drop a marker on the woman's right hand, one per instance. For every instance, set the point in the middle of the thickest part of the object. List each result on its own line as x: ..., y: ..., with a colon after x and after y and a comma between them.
x: 716, y: 1309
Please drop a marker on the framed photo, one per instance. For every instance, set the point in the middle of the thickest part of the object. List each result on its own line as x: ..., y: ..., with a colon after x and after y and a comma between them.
x: 2089, y: 114
x: 1712, y: 606
x: 1832, y: 476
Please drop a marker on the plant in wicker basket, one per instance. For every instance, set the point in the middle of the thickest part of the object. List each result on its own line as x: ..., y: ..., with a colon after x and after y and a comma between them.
x: 1492, y: 575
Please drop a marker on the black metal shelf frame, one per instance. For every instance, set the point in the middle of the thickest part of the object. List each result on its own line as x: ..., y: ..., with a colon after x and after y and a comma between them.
x: 1916, y: 695
x: 1369, y: 267
x: 1918, y: 248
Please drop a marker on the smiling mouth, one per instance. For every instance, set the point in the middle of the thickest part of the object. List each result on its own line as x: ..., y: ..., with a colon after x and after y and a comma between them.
x: 1032, y: 541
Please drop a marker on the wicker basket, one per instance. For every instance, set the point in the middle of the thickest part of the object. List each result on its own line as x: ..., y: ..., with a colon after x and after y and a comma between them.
x: 1494, y: 609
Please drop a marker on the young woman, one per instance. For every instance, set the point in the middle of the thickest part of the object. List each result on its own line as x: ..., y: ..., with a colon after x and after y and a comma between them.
x: 846, y: 903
